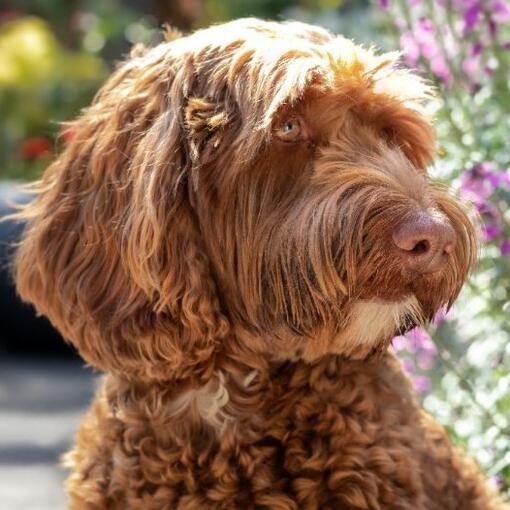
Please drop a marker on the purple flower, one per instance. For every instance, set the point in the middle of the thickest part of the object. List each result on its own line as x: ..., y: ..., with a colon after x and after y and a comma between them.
x: 471, y: 16
x: 415, y: 341
x: 493, y: 27
x: 504, y: 247
x: 419, y: 344
x: 424, y: 41
x: 491, y: 231
x: 480, y: 182
x: 476, y: 49
x: 477, y: 191
x: 442, y: 315
x: 384, y: 3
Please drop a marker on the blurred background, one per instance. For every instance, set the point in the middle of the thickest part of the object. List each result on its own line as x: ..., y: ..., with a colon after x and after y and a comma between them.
x: 54, y: 54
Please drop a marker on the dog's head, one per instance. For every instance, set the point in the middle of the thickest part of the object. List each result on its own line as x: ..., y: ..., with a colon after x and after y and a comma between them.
x: 256, y: 181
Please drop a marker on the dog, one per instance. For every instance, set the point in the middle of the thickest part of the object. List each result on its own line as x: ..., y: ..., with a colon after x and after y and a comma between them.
x: 239, y: 227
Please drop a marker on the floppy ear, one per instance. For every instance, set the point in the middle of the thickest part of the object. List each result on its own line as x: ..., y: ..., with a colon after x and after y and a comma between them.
x: 111, y: 252
x: 205, y: 121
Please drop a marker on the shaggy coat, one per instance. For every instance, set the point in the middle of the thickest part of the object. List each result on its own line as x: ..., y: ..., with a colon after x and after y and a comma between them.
x: 217, y: 238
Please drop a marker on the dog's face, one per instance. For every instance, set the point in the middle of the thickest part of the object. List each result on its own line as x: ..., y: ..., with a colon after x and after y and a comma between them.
x: 305, y: 241
x: 255, y: 181
x: 331, y: 237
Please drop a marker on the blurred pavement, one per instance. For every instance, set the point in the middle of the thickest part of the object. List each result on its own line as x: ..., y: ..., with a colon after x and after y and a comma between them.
x: 41, y: 402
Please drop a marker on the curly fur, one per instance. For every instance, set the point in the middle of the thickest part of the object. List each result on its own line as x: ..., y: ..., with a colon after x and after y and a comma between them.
x: 240, y: 291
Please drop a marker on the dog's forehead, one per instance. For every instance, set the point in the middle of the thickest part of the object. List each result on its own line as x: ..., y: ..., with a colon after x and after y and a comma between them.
x: 259, y: 67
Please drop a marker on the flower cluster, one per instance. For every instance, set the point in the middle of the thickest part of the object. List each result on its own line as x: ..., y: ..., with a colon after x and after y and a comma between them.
x: 418, y: 354
x: 463, y: 46
x: 453, y: 40
x: 420, y: 43
x: 481, y: 184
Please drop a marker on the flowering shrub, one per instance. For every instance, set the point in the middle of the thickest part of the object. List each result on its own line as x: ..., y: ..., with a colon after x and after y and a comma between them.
x: 461, y: 366
x: 50, y: 68
x: 40, y: 84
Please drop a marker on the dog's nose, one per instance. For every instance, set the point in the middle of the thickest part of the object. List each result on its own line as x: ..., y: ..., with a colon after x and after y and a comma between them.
x: 424, y: 242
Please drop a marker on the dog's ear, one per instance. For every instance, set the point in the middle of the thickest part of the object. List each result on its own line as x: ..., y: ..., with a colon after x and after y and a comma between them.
x: 111, y: 253
x: 205, y: 122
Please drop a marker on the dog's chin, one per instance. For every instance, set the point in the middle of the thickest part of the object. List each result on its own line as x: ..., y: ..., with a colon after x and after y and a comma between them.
x: 369, y: 328
x: 408, y: 323
x: 430, y: 293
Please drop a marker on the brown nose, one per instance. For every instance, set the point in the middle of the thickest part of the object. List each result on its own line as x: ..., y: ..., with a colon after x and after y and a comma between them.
x: 424, y: 242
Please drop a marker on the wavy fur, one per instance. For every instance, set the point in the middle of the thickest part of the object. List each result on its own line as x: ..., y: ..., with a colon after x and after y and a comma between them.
x: 241, y: 292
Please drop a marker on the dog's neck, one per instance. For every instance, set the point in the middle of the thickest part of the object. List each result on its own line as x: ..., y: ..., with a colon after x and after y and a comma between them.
x: 245, y: 398
x: 282, y: 344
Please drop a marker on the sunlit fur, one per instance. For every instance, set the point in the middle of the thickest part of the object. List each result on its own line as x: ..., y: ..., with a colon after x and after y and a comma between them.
x: 241, y: 292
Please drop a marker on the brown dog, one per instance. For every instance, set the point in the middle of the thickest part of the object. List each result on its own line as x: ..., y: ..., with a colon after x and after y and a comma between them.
x: 241, y: 224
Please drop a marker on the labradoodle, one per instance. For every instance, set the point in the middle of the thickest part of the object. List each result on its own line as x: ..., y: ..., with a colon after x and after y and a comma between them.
x: 240, y: 225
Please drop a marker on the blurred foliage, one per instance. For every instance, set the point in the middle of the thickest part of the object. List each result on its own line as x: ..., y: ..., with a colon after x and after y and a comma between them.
x: 40, y: 83
x: 54, y: 54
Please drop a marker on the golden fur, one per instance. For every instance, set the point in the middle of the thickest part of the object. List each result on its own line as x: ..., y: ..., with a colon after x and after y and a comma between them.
x: 240, y: 290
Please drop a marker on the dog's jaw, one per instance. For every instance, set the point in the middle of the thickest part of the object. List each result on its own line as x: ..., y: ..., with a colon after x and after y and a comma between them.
x: 371, y: 326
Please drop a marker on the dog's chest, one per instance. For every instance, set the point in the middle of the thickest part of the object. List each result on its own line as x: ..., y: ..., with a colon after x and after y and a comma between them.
x: 342, y: 437
x: 326, y: 438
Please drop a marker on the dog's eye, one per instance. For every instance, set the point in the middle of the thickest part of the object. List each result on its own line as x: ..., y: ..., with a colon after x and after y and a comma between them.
x: 290, y: 130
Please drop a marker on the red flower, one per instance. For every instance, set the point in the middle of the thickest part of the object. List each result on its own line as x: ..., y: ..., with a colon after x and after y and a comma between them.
x: 36, y: 147
x: 67, y: 134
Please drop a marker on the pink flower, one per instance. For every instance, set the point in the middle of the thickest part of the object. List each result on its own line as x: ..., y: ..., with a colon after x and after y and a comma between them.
x: 426, y: 360
x: 471, y: 64
x: 67, y: 134
x: 500, y: 11
x: 408, y: 366
x: 400, y: 343
x: 441, y: 315
x: 504, y: 247
x: 410, y: 48
x: 424, y: 41
x: 426, y: 38
x: 421, y: 383
x: 441, y: 70
x: 480, y: 182
x: 421, y: 341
